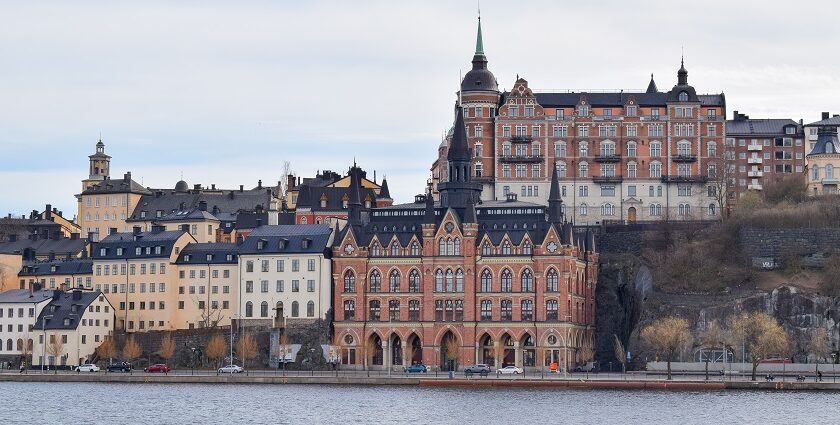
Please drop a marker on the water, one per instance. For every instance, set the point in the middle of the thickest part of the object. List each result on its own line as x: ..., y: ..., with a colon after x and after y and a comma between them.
x: 25, y: 403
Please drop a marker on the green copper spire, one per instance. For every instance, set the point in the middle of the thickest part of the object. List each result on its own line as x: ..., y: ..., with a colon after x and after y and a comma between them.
x: 479, y: 44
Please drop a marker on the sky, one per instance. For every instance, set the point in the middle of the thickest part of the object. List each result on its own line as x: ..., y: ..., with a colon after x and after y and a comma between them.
x: 225, y: 92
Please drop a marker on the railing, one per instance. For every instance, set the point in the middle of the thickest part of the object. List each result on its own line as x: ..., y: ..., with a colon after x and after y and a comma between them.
x: 607, y: 158
x: 755, y: 173
x: 522, y: 158
x: 754, y: 187
x: 521, y: 139
x: 684, y: 179
x: 607, y: 179
x: 752, y: 160
x: 754, y: 147
x: 684, y: 158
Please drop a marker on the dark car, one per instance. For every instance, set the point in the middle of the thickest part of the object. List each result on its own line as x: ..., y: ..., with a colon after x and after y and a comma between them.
x: 416, y: 368
x: 160, y: 367
x: 481, y: 369
x: 119, y: 367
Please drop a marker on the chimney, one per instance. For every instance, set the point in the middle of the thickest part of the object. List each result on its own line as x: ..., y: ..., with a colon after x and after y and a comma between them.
x: 197, y: 187
x: 215, y: 209
x: 31, y: 289
x: 57, y: 293
x: 52, y: 256
x: 734, y: 115
x: 290, y: 182
x: 259, y: 184
x: 241, y: 187
x: 202, y: 205
x: 77, y: 295
x: 127, y: 177
x: 136, y: 230
x: 825, y: 115
x: 259, y: 222
x: 48, y: 213
x: 158, y: 228
x: 158, y: 194
x: 213, y: 186
x: 63, y: 287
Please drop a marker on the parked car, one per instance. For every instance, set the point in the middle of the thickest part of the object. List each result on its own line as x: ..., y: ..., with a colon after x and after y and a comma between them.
x: 509, y: 370
x: 87, y: 368
x: 587, y: 367
x: 231, y: 368
x: 416, y: 368
x: 481, y: 369
x: 119, y: 367
x: 160, y: 368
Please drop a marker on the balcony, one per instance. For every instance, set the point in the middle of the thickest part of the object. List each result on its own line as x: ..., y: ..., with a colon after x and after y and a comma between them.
x: 754, y: 148
x: 753, y: 160
x: 684, y: 158
x: 830, y: 181
x: 482, y: 179
x: 684, y: 179
x: 607, y: 179
x: 521, y: 139
x: 522, y: 158
x: 607, y: 158
x: 755, y: 173
x: 755, y: 186
x: 653, y: 117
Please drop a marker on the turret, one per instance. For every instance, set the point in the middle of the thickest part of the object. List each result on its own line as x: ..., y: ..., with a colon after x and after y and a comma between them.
x: 555, y: 203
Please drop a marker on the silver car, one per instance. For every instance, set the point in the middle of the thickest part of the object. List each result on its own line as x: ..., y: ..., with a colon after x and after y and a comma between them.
x: 231, y: 368
x: 87, y: 368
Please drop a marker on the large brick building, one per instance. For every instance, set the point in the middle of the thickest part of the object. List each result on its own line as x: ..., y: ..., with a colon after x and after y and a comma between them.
x: 625, y: 155
x: 460, y: 281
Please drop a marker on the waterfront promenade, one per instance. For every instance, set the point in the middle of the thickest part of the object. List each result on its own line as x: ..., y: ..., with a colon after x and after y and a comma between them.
x: 630, y: 381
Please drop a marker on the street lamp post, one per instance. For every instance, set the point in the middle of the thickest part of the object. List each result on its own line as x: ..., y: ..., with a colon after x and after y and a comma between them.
x: 235, y: 316
x: 44, y: 345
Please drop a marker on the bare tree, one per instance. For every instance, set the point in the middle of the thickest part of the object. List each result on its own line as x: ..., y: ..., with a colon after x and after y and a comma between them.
x: 619, y: 352
x: 736, y: 333
x: 722, y: 179
x: 107, y: 349
x: 210, y: 316
x: 668, y: 336
x: 819, y: 347
x: 452, y: 352
x: 55, y: 348
x: 217, y: 349
x: 246, y: 348
x: 286, y: 169
x: 167, y: 348
x: 26, y: 349
x: 131, y: 350
x: 765, y: 338
x: 711, y: 338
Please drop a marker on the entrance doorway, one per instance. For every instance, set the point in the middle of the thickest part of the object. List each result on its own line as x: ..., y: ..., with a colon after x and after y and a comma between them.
x: 631, y: 214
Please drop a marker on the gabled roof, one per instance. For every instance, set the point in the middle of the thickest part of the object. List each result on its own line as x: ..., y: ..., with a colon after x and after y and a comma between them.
x: 228, y: 201
x: 22, y: 296
x: 160, y: 244
x: 60, y: 247
x: 124, y: 185
x: 287, y: 239
x: 310, y: 197
x: 833, y: 121
x: 52, y: 268
x: 197, y: 253
x: 70, y: 306
x: 764, y: 127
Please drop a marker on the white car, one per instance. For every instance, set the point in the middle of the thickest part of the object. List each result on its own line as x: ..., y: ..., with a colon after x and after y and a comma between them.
x: 87, y: 368
x: 509, y: 370
x: 231, y: 368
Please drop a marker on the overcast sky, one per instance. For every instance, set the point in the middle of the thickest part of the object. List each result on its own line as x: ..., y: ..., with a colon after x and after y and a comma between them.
x: 224, y: 92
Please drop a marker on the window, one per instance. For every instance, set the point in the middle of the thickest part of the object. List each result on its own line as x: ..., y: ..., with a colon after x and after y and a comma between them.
x: 264, y: 309
x: 375, y: 281
x: 295, y: 285
x: 249, y: 266
x: 584, y: 169
x: 655, y: 149
x: 349, y: 282
x: 414, y: 281
x: 608, y: 190
x: 655, y: 169
x: 249, y: 308
x: 507, y: 310
x: 683, y: 97
x: 506, y: 248
x: 295, y: 265
x: 712, y: 210
x: 249, y: 286
x: 529, y: 110
x: 551, y: 310
x: 478, y: 150
x: 459, y: 281
x: 527, y: 280
x: 310, y: 309
x: 513, y: 111
x: 486, y: 310
x: 394, y: 281
x: 395, y: 250
x: 551, y: 281
x: 507, y: 281
x: 608, y: 209
x: 349, y: 310
x: 374, y: 310
x: 413, y: 310
x: 263, y: 286
x: 684, y: 210
x: 583, y: 191
x: 439, y: 281
x: 295, y: 309
x: 527, y: 310
x: 631, y: 169
x: 583, y: 209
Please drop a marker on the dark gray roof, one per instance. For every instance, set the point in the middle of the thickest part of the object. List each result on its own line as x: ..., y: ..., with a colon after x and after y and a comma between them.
x: 833, y: 121
x: 188, y: 215
x: 197, y: 253
x: 123, y: 185
x: 48, y: 268
x: 292, y: 237
x: 23, y: 296
x: 826, y: 142
x: 310, y: 197
x: 620, y: 99
x: 60, y: 247
x: 70, y: 305
x: 228, y: 201
x: 764, y: 127
x: 159, y: 243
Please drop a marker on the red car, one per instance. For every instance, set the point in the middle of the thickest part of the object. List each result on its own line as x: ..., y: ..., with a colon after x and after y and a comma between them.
x: 160, y: 367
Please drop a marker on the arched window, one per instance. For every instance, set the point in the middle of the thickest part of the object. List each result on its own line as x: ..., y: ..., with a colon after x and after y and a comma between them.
x: 815, y: 173
x: 374, y: 307
x: 479, y: 169
x: 829, y: 170
x: 712, y: 209
x: 394, y: 310
x: 653, y: 210
x: 829, y: 147
x: 449, y: 281
x: 375, y: 281
x: 607, y: 148
x: 485, y: 248
x: 310, y: 309
x: 249, y: 309
x: 438, y: 281
x: 486, y: 281
x: 527, y: 310
x: 394, y: 281
x: 584, y: 169
x: 527, y: 281
x: 374, y: 250
x: 415, y: 249
x: 457, y: 246
x: 264, y: 309
x: 683, y: 96
x: 442, y: 246
x: 551, y: 281
x: 295, y: 309
x: 459, y: 281
x: 349, y: 282
x: 527, y: 248
x: 584, y: 210
x: 507, y: 281
x: 395, y: 249
x: 413, y: 281
x: 507, y: 310
x: 349, y: 310
x: 450, y: 247
x: 20, y: 345
x: 684, y: 210
x: 506, y: 248
x: 608, y: 209
x: 551, y: 310
x: 413, y: 310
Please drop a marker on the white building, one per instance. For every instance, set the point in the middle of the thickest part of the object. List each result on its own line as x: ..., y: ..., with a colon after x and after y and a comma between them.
x: 285, y: 274
x: 73, y: 324
x: 19, y: 310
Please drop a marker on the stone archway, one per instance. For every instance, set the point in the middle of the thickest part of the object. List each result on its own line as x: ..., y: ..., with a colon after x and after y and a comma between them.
x: 529, y: 352
x: 631, y: 215
x: 508, y: 354
x: 374, y: 350
x: 416, y: 350
x: 488, y: 354
x: 449, y: 351
x: 396, y: 350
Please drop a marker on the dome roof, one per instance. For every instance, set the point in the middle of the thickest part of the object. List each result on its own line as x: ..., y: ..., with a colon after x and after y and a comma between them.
x: 479, y: 78
x: 182, y: 186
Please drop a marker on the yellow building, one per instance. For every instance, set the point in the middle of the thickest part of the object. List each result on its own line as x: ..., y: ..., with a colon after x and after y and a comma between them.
x: 208, y: 285
x: 136, y: 273
x: 57, y: 274
x: 824, y: 163
x: 199, y: 223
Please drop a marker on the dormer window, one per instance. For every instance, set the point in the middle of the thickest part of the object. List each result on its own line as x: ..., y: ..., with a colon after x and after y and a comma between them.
x: 148, y: 250
x: 229, y: 257
x: 119, y: 252
x: 261, y: 244
x: 138, y: 251
x: 53, y: 269
x: 683, y: 96
x: 187, y: 258
x: 304, y: 243
x: 103, y: 252
x: 67, y: 322
x: 282, y: 243
x: 158, y: 249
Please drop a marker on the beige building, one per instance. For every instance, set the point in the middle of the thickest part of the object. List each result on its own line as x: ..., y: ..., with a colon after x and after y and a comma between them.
x: 824, y: 163
x: 136, y: 273
x: 57, y: 274
x: 199, y: 223
x: 285, y: 274
x: 19, y: 310
x: 70, y: 327
x: 208, y: 285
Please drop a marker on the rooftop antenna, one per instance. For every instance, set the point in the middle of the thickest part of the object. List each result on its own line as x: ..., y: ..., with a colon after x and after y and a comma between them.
x: 460, y: 94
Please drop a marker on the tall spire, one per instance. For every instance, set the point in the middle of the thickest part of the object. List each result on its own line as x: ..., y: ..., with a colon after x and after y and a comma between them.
x: 479, y: 43
x: 682, y: 74
x: 354, y: 205
x: 458, y: 148
x: 652, y: 86
x: 555, y: 203
x: 429, y: 214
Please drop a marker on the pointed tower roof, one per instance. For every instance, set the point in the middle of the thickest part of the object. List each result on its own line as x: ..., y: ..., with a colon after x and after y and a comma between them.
x: 479, y: 78
x: 682, y: 74
x: 555, y: 203
x: 479, y: 42
x: 470, y: 215
x: 429, y: 215
x: 652, y: 86
x: 354, y: 205
x: 459, y: 150
x: 384, y: 193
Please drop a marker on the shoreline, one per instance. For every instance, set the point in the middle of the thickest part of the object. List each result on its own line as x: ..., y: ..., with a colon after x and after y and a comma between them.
x: 429, y: 382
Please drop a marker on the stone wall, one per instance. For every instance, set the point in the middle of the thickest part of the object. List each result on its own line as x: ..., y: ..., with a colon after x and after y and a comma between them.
x: 768, y: 248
